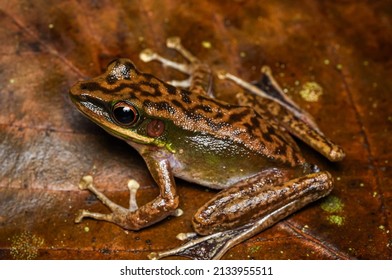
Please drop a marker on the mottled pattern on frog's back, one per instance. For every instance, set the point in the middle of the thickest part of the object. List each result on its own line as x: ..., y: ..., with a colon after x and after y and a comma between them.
x: 193, y: 111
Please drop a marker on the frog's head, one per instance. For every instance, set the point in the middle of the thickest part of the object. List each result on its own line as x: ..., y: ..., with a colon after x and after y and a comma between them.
x: 114, y: 101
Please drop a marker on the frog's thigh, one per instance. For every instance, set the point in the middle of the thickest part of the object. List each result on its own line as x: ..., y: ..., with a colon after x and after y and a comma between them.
x: 268, y: 203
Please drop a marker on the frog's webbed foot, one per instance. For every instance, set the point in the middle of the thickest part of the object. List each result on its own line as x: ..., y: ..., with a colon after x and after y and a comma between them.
x: 208, y: 247
x: 200, y: 77
x: 269, y: 100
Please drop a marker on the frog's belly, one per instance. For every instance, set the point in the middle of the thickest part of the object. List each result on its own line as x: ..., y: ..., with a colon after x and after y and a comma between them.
x: 217, y: 171
x: 214, y: 162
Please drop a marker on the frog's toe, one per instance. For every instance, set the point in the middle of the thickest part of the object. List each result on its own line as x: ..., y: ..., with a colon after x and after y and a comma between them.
x: 153, y: 256
x: 133, y: 186
x: 186, y: 235
x: 173, y: 42
x: 85, y: 182
x: 147, y: 55
x: 80, y: 215
x: 178, y: 212
x: 222, y: 74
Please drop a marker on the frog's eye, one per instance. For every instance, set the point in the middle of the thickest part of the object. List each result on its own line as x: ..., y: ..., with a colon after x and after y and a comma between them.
x: 124, y: 113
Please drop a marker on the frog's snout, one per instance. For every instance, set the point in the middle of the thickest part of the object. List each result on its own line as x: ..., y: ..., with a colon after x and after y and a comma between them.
x: 76, y: 91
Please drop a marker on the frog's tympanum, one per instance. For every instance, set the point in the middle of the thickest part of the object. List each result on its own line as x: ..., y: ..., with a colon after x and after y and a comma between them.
x: 246, y: 151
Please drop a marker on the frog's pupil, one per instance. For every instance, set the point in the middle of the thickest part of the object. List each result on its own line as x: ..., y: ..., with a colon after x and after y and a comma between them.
x: 124, y: 114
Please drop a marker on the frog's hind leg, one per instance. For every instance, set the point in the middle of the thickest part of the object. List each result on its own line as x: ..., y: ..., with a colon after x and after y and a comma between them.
x: 265, y: 205
x: 268, y: 88
x: 269, y: 100
x: 200, y: 76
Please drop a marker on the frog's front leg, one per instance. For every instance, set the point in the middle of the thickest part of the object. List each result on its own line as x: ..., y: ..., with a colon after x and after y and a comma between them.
x: 134, y: 218
x: 261, y: 204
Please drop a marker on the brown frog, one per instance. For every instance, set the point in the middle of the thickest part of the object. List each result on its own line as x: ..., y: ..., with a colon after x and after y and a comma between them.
x: 244, y: 150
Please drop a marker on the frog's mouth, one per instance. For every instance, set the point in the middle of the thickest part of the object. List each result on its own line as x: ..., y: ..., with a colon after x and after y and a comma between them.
x: 92, y: 107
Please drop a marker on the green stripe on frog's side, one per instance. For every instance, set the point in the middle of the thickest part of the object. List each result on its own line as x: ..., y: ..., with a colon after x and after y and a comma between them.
x: 187, y: 110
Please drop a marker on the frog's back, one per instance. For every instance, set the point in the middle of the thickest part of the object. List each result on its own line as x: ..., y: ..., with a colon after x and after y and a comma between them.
x: 194, y: 112
x: 199, y: 113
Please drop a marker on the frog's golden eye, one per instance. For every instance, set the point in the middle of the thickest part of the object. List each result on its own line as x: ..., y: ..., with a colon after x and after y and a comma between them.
x: 124, y: 113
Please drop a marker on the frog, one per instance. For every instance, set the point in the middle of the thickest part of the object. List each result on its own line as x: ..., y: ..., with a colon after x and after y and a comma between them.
x: 247, y: 151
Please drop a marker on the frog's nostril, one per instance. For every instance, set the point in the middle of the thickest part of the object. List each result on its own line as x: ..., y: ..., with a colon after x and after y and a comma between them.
x: 83, y: 97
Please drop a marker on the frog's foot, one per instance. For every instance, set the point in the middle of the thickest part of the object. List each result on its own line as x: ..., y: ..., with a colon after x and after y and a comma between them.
x: 209, y: 247
x: 134, y: 217
x: 86, y: 183
x: 148, y: 55
x: 175, y: 43
x: 200, y: 78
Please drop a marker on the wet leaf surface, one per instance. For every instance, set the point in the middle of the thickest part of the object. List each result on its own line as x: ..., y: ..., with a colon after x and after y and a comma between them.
x: 46, y: 145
